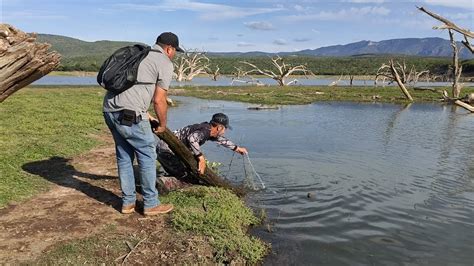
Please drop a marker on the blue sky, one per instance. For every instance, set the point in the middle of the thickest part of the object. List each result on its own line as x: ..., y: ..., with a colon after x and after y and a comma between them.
x: 218, y: 26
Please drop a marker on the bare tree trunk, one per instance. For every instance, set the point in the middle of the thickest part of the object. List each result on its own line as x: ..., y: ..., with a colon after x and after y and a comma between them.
x: 209, y: 177
x: 457, y: 68
x: 399, y: 82
x: 451, y: 26
x: 22, y: 60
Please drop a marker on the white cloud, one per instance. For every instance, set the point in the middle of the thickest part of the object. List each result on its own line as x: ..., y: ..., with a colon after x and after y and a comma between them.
x: 454, y: 17
x: 280, y: 42
x: 299, y: 8
x: 343, y: 14
x: 207, y: 11
x: 30, y: 15
x: 245, y: 44
x: 466, y: 4
x: 259, y: 25
x: 302, y: 39
x: 366, y: 1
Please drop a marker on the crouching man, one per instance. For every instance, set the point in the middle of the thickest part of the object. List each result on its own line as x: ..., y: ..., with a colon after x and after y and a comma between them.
x: 194, y: 136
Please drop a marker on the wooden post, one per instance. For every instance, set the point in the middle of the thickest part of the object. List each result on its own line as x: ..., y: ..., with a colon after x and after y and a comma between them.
x: 22, y: 60
x: 185, y: 155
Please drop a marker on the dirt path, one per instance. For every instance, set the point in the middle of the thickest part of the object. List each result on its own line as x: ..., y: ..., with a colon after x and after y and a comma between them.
x: 84, y: 198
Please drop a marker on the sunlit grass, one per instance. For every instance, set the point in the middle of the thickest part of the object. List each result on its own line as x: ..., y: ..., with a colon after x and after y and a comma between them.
x: 37, y: 123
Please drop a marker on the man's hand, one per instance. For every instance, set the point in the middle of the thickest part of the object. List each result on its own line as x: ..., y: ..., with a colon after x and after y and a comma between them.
x: 160, y: 129
x: 241, y: 150
x: 201, y: 164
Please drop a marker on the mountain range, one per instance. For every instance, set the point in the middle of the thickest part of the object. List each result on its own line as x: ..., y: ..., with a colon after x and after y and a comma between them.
x: 430, y: 47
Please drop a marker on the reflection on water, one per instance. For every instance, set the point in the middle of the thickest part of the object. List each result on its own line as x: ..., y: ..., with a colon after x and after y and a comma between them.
x: 391, y: 184
x: 227, y: 81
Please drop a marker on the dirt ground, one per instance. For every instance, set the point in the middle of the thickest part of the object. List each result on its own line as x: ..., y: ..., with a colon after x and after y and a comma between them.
x: 83, y: 200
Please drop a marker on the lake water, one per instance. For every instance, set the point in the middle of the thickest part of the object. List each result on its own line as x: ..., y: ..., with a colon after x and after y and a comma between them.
x: 389, y: 184
x: 226, y: 81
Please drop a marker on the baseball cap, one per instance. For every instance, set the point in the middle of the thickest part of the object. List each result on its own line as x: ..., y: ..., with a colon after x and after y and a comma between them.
x: 169, y: 38
x: 222, y: 119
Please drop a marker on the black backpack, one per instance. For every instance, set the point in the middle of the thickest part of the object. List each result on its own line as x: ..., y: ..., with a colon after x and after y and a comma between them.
x: 119, y: 72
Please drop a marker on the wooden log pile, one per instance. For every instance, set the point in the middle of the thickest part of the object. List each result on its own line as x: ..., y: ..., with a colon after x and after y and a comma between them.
x: 22, y: 60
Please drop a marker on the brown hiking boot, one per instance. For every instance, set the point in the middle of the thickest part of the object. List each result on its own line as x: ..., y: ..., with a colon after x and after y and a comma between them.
x: 160, y: 209
x: 127, y: 209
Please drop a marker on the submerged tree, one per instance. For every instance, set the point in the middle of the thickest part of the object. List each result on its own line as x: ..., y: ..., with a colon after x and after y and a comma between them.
x: 214, y: 72
x: 282, y: 72
x: 22, y: 60
x: 396, y: 71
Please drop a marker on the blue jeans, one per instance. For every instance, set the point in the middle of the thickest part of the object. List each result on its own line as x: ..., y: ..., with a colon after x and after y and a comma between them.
x: 130, y: 140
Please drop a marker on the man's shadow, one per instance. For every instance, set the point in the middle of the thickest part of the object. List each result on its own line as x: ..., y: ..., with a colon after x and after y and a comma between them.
x: 59, y: 170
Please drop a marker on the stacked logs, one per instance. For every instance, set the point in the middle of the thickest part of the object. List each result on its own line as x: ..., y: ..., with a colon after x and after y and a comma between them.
x: 22, y: 60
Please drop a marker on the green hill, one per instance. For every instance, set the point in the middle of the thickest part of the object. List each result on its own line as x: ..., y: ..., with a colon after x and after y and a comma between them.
x: 81, y: 55
x: 69, y: 47
x: 78, y: 55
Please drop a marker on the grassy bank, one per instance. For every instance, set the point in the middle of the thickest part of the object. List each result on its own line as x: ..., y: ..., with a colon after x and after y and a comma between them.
x: 36, y: 124
x: 221, y: 225
x: 39, y: 123
x: 274, y: 95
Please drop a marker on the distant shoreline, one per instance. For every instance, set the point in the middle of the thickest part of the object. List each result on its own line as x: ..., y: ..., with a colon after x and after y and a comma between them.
x: 72, y: 74
x: 93, y: 74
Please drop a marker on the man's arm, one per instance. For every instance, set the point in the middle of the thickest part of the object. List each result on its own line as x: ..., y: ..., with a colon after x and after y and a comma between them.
x: 161, y: 107
x: 201, y: 164
x: 230, y: 145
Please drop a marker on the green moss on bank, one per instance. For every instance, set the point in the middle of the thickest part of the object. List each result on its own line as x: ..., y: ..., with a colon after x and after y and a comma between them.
x: 274, y: 95
x: 222, y: 217
x: 213, y: 215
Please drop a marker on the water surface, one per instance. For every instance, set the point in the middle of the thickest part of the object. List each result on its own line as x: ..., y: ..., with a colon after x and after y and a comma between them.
x: 389, y: 184
x: 227, y: 81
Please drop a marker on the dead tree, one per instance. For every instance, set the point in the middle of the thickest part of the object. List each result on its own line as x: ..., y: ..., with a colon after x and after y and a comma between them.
x: 214, y: 72
x: 451, y: 26
x: 241, y: 76
x: 396, y: 72
x: 283, y: 70
x: 180, y: 67
x: 336, y: 82
x: 190, y: 64
x: 239, y: 72
x: 187, y: 158
x: 198, y: 63
x: 457, y: 69
x: 22, y: 60
x: 351, y: 79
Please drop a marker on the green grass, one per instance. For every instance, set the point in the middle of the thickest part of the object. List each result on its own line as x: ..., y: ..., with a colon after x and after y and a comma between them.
x: 274, y: 95
x: 37, y: 123
x: 221, y: 216
x: 217, y: 214
x: 103, y: 248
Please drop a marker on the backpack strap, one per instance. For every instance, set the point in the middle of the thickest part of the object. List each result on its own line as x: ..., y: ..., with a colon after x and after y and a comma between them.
x: 148, y: 83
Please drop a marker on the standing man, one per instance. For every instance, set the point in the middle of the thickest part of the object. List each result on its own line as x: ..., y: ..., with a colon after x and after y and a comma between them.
x: 127, y: 117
